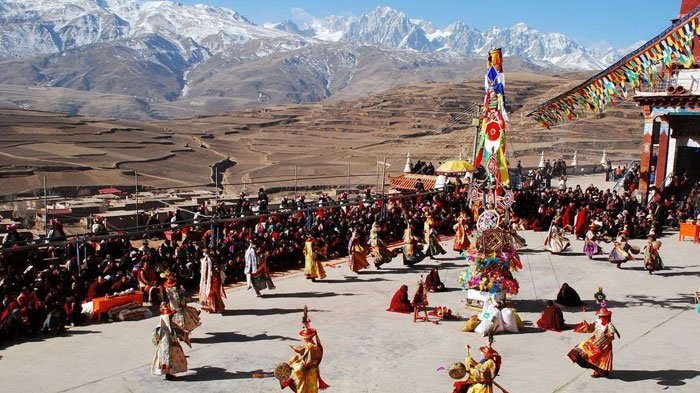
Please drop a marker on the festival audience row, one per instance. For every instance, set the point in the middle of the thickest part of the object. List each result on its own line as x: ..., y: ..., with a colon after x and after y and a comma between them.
x: 42, y: 290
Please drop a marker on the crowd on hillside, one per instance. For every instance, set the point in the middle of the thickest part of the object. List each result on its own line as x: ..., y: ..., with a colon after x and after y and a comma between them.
x: 42, y: 290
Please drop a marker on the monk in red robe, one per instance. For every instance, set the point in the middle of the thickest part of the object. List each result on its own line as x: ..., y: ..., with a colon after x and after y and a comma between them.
x: 97, y: 288
x: 148, y: 281
x: 400, y: 302
x: 568, y: 218
x: 581, y: 222
x: 433, y: 282
x: 552, y: 318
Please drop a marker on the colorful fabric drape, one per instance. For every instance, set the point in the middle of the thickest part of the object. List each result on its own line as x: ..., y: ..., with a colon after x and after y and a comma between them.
x: 491, y: 142
x: 640, y: 68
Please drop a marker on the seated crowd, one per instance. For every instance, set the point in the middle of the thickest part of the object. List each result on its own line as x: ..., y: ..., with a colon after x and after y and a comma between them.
x: 43, y: 289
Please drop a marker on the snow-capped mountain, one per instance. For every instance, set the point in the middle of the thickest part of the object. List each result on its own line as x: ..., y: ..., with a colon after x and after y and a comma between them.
x: 47, y: 26
x: 387, y: 27
x: 201, y: 56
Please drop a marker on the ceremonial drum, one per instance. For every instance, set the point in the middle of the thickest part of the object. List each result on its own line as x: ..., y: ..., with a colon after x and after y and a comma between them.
x: 283, y: 372
x: 457, y: 370
x: 634, y: 249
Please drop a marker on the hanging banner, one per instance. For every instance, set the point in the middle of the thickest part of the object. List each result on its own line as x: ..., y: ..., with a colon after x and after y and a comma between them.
x: 491, y: 141
x: 638, y: 69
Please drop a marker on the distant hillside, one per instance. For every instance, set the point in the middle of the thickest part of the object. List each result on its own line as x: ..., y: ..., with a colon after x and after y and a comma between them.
x: 268, y: 145
x: 160, y: 60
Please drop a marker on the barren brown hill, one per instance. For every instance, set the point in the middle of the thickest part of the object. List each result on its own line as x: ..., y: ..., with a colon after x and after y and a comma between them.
x: 431, y: 121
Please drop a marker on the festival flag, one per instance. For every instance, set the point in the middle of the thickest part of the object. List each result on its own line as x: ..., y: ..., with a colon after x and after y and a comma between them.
x: 640, y: 68
x: 491, y: 141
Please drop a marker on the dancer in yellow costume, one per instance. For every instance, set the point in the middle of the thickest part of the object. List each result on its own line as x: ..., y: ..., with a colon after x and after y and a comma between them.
x: 312, y: 267
x: 305, y: 374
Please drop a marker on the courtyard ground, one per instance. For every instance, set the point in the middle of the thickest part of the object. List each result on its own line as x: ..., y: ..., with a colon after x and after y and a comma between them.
x: 370, y: 350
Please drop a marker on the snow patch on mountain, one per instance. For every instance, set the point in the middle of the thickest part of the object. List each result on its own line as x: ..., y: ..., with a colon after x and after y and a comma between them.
x: 39, y: 27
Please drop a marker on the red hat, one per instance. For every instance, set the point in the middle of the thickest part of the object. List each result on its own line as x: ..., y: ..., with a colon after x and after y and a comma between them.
x: 604, y: 312
x: 488, y: 351
x: 308, y: 332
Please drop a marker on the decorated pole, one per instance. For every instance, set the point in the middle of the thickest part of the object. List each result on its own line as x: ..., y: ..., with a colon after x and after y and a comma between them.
x: 491, y: 142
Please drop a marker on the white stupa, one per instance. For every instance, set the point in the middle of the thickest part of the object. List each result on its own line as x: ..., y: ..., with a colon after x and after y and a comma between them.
x: 407, y: 167
x: 440, y: 182
x: 604, y: 159
x: 574, y: 161
x: 541, y: 164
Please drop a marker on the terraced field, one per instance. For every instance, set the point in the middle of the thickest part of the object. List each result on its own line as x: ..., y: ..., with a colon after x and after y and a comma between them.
x: 265, y: 147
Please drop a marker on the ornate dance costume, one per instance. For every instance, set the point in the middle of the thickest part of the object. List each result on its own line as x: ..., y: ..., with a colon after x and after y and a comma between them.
x: 169, y: 358
x: 312, y: 267
x: 652, y: 259
x: 305, y: 373
x: 432, y: 239
x: 556, y: 242
x: 357, y: 254
x: 461, y: 241
x: 412, y: 254
x: 185, y: 316
x: 597, y: 352
x: 590, y: 244
x: 211, y: 286
x: 379, y: 251
x: 257, y: 274
x: 479, y: 376
x: 620, y: 252
x: 518, y: 241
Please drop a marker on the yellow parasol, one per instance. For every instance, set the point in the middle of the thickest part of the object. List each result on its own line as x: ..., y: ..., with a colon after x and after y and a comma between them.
x: 455, y: 167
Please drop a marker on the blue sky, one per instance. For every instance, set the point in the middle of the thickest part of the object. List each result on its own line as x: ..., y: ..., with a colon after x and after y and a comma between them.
x: 589, y: 22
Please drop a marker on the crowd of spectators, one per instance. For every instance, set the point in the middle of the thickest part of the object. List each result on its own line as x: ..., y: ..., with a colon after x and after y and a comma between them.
x: 42, y: 289
x: 612, y: 211
x: 423, y: 168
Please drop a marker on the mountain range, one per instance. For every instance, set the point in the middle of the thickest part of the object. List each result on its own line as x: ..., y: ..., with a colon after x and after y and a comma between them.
x: 159, y: 59
x: 391, y: 28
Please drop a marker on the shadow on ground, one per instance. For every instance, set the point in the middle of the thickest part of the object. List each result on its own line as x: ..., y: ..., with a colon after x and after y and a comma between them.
x: 374, y: 279
x: 679, y: 302
x: 264, y: 311
x: 663, y: 377
x: 673, y: 271
x: 226, y: 337
x: 207, y: 373
x: 304, y: 295
x: 45, y: 337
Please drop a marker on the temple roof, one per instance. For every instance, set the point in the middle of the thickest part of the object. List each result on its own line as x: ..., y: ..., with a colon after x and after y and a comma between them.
x: 407, y: 181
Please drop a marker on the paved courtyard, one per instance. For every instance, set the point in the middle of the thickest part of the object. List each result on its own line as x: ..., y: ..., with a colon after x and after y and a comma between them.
x: 370, y: 350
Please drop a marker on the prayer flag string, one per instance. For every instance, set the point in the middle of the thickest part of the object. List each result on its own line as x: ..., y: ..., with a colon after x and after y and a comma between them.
x: 639, y: 69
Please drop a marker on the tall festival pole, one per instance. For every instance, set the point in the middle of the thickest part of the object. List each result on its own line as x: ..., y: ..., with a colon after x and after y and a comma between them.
x: 136, y: 180
x: 46, y: 211
x: 491, y: 144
